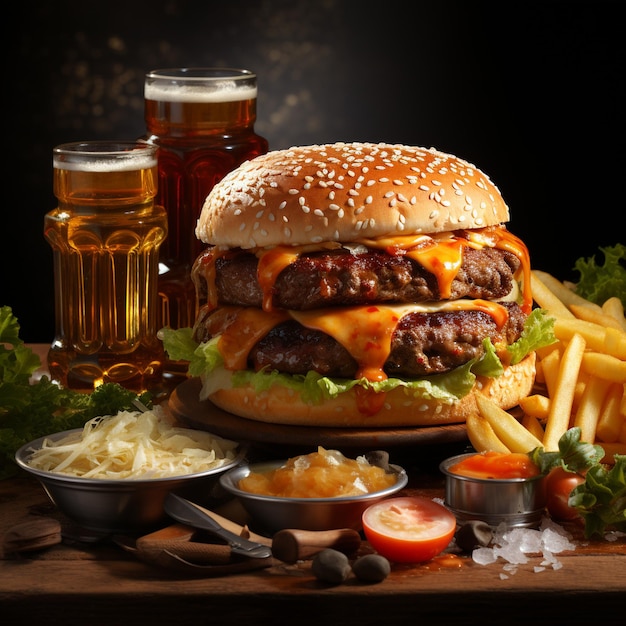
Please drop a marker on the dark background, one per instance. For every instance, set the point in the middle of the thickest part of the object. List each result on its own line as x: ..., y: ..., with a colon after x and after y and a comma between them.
x: 532, y: 93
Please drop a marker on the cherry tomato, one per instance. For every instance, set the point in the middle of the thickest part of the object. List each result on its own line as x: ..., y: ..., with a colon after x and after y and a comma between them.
x: 559, y: 484
x: 408, y: 529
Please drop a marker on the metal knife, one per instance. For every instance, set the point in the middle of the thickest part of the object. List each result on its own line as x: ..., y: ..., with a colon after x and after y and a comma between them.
x: 194, y: 515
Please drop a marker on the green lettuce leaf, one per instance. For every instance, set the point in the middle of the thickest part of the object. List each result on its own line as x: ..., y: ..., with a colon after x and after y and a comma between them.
x: 598, y: 282
x: 601, y: 499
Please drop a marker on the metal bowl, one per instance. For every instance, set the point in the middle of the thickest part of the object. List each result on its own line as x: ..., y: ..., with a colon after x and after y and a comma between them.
x: 516, y: 502
x: 118, y: 506
x: 273, y: 513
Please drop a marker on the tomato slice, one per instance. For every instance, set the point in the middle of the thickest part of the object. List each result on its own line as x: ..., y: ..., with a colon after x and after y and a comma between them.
x: 408, y: 529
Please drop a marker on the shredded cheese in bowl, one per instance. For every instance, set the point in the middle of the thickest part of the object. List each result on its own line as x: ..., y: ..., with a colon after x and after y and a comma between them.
x: 133, y: 445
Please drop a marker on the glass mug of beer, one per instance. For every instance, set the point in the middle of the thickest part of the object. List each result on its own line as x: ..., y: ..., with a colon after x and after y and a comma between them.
x: 202, y: 120
x: 105, y: 236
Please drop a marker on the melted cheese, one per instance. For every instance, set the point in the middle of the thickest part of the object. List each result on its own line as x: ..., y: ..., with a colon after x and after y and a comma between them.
x: 365, y: 331
x: 271, y: 264
x: 240, y: 328
x: 441, y: 254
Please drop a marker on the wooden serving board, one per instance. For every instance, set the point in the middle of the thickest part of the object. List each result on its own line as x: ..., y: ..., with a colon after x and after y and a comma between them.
x: 188, y: 409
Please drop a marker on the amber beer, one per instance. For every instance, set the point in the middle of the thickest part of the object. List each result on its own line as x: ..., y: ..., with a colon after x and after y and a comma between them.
x: 202, y: 120
x: 105, y: 235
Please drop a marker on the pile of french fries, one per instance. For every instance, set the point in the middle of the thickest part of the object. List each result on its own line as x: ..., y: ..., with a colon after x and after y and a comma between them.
x: 581, y: 380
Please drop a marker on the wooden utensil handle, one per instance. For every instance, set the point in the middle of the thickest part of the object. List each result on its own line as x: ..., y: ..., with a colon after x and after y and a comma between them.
x: 291, y: 545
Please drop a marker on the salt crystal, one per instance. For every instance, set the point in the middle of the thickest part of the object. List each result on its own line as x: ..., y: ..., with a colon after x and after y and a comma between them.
x: 513, y: 545
x: 556, y: 542
x: 484, y: 556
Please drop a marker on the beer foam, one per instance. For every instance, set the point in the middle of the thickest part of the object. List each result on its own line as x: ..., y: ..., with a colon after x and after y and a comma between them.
x: 221, y: 91
x: 79, y: 163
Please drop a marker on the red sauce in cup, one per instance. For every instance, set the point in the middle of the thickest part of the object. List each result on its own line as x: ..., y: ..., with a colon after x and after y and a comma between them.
x: 497, y: 465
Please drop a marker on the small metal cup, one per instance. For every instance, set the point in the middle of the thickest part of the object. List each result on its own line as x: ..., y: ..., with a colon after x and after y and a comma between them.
x: 516, y: 502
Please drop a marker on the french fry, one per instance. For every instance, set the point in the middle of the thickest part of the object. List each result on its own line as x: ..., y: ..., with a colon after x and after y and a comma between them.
x: 604, y: 366
x: 563, y: 398
x: 561, y: 291
x: 536, y: 406
x: 506, y: 427
x: 590, y: 407
x: 614, y: 342
x: 482, y: 436
x: 533, y: 426
x: 583, y: 374
x: 550, y: 366
x: 594, y: 335
x: 546, y: 298
x: 594, y: 315
x: 614, y: 307
x: 610, y: 420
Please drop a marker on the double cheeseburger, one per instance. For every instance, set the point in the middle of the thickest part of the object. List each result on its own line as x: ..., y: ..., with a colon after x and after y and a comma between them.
x: 359, y: 285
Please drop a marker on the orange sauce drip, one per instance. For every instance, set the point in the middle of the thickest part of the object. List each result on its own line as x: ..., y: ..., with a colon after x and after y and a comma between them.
x: 365, y: 331
x: 500, y: 237
x: 240, y: 329
x: 443, y: 260
x: 271, y: 264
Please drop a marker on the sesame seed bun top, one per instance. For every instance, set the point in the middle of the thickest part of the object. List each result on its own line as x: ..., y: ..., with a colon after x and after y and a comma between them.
x: 345, y: 192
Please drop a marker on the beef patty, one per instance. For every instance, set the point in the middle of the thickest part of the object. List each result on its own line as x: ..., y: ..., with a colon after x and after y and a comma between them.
x: 422, y: 344
x: 341, y: 278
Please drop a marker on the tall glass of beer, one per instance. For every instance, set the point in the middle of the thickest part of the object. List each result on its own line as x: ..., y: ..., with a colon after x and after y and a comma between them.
x: 202, y: 120
x: 105, y: 236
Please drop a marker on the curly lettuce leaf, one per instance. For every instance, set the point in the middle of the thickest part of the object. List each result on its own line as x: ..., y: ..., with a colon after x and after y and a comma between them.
x: 601, y: 499
x: 598, y: 282
x: 573, y: 454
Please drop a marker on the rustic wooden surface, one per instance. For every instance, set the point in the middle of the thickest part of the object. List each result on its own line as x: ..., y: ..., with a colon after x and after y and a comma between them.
x: 102, y: 583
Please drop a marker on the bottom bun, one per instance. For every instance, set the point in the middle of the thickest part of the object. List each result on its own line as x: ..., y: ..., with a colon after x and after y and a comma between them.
x: 280, y: 405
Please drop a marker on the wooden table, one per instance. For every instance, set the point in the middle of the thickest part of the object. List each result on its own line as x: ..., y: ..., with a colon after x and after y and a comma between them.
x: 88, y: 584
x: 92, y: 584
